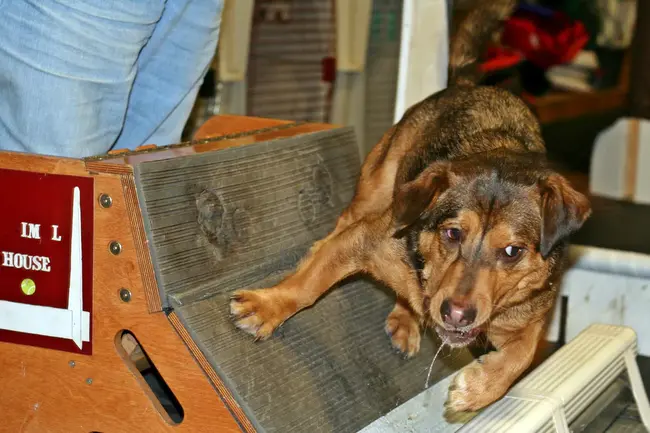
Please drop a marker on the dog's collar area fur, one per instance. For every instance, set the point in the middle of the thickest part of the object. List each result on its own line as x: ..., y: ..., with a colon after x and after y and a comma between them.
x: 415, y: 257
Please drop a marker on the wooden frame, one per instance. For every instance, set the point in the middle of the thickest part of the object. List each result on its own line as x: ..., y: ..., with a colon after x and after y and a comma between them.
x: 54, y: 391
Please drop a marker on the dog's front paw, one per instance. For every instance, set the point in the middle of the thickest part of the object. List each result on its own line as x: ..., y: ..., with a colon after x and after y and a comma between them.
x: 260, y: 312
x: 404, y: 332
x: 473, y: 388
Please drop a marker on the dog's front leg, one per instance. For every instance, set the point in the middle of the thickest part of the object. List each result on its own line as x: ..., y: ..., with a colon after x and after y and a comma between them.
x: 403, y: 328
x: 403, y: 324
x: 260, y: 312
x: 487, y: 379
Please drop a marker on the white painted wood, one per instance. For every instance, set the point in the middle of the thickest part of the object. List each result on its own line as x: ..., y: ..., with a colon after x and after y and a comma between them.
x: 606, y: 177
x: 348, y: 105
x: 234, y: 39
x: 352, y: 24
x: 424, y: 413
x: 554, y: 328
x: 232, y: 59
x: 642, y: 190
x: 551, y: 397
x: 623, y: 263
x: 612, y: 299
x: 608, y: 162
x: 39, y: 320
x: 546, y: 400
x: 382, y: 66
x: 75, y: 292
x: 593, y: 296
x: 606, y: 286
x: 233, y: 98
x: 352, y: 32
x: 424, y: 52
x: 638, y: 388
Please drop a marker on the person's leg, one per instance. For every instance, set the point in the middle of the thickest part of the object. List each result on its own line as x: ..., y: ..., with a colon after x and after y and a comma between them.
x: 171, y: 69
x: 66, y: 71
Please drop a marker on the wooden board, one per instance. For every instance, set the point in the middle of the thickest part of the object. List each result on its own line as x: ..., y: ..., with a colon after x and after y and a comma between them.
x: 50, y: 391
x: 228, y: 124
x: 219, y: 132
x: 241, y: 217
x: 222, y: 218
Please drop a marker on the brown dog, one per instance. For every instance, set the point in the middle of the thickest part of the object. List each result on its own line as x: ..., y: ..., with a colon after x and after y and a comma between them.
x: 456, y: 211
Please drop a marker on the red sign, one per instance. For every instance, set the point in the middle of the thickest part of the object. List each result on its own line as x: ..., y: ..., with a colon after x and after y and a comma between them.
x: 46, y: 260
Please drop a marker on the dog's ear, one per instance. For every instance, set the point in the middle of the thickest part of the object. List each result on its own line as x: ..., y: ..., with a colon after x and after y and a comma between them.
x: 415, y: 198
x: 564, y: 210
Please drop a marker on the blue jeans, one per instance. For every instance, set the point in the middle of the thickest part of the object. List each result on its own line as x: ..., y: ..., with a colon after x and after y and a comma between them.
x: 79, y: 77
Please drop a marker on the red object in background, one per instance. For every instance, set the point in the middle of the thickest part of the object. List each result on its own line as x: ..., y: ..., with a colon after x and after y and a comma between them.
x: 499, y: 58
x: 328, y: 69
x: 545, y: 40
x: 47, y: 200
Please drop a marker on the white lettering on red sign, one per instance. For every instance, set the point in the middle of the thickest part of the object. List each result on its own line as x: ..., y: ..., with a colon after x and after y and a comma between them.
x: 30, y: 231
x: 55, y: 234
x: 25, y: 261
x: 12, y: 259
x: 33, y: 231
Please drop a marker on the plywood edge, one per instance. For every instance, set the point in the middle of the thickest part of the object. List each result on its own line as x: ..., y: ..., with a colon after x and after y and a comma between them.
x: 224, y: 124
x: 216, y: 381
x: 108, y: 168
x: 152, y: 293
x: 150, y: 285
x: 42, y: 163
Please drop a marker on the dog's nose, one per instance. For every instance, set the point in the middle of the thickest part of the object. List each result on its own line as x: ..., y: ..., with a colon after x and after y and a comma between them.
x: 457, y: 314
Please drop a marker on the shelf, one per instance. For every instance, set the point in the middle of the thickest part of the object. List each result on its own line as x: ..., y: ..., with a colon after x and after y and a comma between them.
x: 557, y: 106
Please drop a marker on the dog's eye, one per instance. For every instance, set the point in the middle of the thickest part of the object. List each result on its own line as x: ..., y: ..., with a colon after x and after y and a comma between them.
x: 453, y: 234
x: 512, y: 252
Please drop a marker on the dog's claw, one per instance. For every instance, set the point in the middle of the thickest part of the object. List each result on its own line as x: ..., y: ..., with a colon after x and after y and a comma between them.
x: 258, y: 312
x: 403, y: 331
x: 244, y: 316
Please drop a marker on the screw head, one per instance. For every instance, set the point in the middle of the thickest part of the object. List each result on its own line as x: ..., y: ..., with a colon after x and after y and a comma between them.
x: 115, y: 248
x: 89, y: 381
x: 72, y: 364
x: 105, y: 201
x: 125, y: 295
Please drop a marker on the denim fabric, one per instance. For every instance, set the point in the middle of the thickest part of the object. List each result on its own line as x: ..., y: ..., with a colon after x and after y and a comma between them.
x: 79, y: 77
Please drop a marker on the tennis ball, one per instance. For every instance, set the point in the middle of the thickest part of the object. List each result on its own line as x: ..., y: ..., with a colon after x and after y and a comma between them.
x: 27, y: 286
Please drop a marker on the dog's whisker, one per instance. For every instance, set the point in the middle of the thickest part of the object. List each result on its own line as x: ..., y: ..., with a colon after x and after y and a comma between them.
x: 426, y: 383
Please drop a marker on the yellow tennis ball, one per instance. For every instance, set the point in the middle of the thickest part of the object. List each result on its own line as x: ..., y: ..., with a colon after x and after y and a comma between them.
x: 27, y: 286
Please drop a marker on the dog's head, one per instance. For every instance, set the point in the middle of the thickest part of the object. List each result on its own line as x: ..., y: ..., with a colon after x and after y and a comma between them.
x: 487, y: 231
